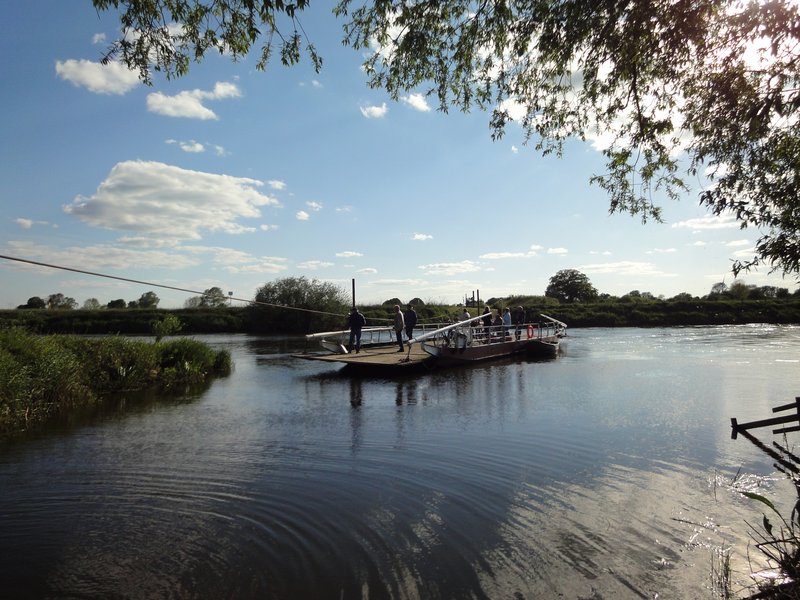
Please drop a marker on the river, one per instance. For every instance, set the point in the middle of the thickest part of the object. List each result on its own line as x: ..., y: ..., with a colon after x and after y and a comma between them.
x: 607, y: 472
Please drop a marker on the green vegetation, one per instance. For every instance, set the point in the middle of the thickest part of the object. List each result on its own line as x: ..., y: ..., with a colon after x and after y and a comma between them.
x: 296, y: 305
x: 627, y: 311
x: 316, y: 306
x: 45, y: 376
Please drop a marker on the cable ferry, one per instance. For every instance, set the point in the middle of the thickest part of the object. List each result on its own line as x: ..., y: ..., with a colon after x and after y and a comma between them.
x: 464, y: 342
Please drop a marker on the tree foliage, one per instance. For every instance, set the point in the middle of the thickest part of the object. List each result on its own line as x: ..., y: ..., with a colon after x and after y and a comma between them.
x: 61, y: 302
x: 34, y: 302
x: 150, y: 40
x: 147, y: 300
x: 569, y: 285
x: 716, y: 80
x: 305, y: 305
x: 679, y: 88
x: 213, y: 298
x: 91, y: 304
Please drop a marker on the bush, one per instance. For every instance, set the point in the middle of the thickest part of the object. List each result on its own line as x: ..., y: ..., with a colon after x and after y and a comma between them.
x: 185, y: 361
x: 43, y: 376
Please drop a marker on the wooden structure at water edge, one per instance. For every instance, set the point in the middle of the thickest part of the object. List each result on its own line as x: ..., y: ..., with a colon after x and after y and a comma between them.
x: 793, y: 417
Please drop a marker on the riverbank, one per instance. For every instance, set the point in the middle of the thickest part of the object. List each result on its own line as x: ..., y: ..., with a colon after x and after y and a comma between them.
x: 42, y: 377
x: 267, y: 320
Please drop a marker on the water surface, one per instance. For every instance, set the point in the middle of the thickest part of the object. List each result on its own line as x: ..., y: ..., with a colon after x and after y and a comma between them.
x: 602, y: 473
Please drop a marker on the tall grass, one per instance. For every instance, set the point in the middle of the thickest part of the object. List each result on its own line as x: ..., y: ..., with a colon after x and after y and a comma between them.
x: 44, y: 376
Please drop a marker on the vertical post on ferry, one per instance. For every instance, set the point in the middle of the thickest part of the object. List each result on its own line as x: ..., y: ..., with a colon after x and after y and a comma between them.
x: 354, y: 291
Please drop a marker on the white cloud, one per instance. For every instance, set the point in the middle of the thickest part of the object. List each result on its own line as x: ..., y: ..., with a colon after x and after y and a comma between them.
x: 104, y: 256
x: 514, y: 150
x: 501, y: 255
x: 98, y: 38
x: 662, y: 251
x: 709, y: 222
x: 417, y: 102
x: 557, y: 251
x: 191, y: 146
x: 113, y: 78
x: 603, y: 253
x: 24, y: 223
x: 622, y: 268
x: 267, y: 227
x: 237, y: 261
x: 400, y: 282
x: 465, y: 266
x: 348, y: 254
x: 516, y: 110
x: 374, y: 112
x: 189, y: 104
x: 422, y: 236
x: 344, y: 209
x: 265, y: 264
x: 313, y: 265
x: 700, y: 244
x: 367, y: 271
x: 738, y: 243
x: 157, y: 199
x: 138, y: 241
x: 315, y: 206
x: 536, y: 248
x: 745, y: 252
x: 276, y: 184
x: 302, y: 215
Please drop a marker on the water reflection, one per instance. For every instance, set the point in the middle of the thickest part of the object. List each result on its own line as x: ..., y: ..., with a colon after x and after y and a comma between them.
x: 584, y: 476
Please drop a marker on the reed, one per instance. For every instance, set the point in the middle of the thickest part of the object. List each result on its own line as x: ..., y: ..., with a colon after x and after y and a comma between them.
x: 777, y: 536
x: 42, y: 377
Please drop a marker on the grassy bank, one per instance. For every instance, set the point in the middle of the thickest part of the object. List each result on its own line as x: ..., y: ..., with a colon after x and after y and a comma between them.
x: 42, y: 377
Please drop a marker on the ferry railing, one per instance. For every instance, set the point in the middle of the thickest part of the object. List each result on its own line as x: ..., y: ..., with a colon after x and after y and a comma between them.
x: 473, y: 330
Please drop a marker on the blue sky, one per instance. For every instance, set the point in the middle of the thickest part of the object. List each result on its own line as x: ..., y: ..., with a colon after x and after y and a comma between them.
x: 233, y: 177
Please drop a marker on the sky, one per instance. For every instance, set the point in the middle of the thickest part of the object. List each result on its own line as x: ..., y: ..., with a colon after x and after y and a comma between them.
x: 232, y: 177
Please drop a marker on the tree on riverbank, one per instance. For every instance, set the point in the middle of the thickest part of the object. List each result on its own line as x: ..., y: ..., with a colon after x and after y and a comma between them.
x: 298, y: 305
x: 670, y: 89
x: 569, y: 285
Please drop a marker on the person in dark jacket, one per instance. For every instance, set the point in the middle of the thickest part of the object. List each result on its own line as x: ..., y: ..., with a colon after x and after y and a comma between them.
x: 519, y: 319
x: 356, y: 321
x: 410, y: 318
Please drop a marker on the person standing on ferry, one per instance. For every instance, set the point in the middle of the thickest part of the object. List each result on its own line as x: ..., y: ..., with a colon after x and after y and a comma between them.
x: 399, y: 326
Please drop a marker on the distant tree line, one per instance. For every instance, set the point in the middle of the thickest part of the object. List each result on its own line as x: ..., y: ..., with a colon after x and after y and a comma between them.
x: 61, y: 302
x: 298, y: 305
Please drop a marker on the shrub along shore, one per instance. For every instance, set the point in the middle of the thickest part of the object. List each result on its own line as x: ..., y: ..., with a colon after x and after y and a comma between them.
x: 42, y: 377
